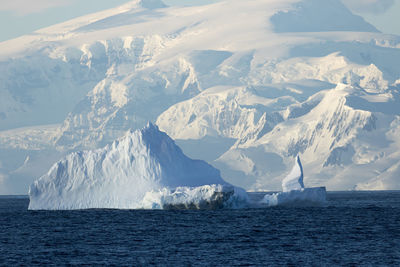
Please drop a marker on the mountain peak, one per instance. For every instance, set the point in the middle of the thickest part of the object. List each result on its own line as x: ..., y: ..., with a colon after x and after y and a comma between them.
x: 150, y: 127
x: 151, y: 4
x: 319, y: 16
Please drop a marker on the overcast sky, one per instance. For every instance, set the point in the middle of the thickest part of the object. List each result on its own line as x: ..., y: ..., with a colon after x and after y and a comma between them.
x: 18, y: 17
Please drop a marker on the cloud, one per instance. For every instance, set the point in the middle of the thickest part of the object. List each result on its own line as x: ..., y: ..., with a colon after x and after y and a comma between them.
x: 369, y: 6
x: 25, y: 7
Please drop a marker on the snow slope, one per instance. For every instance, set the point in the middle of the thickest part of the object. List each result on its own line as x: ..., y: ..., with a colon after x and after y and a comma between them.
x: 339, y: 135
x: 122, y: 173
x: 281, y: 78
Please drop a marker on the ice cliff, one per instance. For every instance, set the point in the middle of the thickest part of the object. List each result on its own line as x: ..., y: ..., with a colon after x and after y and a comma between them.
x: 144, y: 169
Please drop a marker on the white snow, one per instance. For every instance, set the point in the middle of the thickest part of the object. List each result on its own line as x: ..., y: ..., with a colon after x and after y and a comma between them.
x: 119, y: 175
x: 272, y: 88
x: 29, y: 138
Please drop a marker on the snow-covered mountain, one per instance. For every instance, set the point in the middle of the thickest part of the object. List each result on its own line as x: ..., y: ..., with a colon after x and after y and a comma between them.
x: 244, y: 84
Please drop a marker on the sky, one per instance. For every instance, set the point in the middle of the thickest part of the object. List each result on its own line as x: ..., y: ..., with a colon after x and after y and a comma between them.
x: 19, y: 17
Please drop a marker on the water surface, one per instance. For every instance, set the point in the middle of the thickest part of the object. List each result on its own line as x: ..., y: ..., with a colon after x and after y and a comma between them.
x: 355, y: 228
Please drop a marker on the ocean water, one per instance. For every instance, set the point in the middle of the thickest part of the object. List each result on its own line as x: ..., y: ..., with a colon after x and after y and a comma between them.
x: 354, y: 229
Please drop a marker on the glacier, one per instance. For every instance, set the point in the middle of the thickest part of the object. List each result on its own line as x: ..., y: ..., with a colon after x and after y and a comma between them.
x: 144, y: 169
x: 294, y: 193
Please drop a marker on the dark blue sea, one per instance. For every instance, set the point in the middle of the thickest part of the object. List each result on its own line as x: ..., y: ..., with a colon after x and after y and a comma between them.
x: 354, y: 229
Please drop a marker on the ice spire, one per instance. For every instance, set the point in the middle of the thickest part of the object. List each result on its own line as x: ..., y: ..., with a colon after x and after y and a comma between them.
x: 294, y: 180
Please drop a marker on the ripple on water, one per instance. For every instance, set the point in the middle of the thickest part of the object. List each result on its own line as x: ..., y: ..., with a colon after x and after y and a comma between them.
x: 356, y: 228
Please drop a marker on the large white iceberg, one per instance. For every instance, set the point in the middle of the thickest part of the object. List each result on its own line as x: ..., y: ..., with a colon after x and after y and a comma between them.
x: 144, y: 169
x: 294, y: 193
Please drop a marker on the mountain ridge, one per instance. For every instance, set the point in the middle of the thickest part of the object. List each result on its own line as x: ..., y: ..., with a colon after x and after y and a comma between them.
x: 170, y: 65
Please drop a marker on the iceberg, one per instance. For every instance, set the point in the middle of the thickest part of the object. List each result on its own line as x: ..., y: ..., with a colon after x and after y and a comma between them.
x: 294, y: 193
x: 304, y: 197
x: 144, y: 169
x: 294, y: 181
